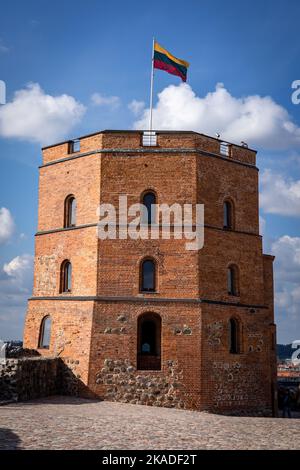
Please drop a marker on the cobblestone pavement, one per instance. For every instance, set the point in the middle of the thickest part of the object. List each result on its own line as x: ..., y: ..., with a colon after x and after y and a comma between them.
x: 75, y: 423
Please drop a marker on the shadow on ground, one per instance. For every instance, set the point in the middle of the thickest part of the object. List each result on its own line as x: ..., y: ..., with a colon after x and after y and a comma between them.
x: 9, y: 440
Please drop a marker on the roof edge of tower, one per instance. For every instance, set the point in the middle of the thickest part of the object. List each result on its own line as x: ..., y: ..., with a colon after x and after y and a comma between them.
x: 139, y: 131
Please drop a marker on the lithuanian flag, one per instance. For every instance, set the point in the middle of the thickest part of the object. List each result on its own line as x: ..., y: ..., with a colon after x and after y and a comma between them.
x: 163, y: 60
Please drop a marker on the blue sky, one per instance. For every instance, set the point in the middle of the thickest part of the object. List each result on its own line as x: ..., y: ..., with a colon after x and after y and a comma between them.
x: 98, y: 54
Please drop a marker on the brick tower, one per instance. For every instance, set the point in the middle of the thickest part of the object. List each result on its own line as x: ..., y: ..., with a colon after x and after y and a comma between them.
x: 147, y: 321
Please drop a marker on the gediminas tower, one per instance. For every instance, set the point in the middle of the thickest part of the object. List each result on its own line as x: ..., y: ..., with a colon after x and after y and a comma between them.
x: 148, y: 321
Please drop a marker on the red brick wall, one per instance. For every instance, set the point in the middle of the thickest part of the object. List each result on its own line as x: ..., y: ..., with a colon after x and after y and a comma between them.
x: 220, y: 179
x: 70, y: 331
x: 223, y: 248
x: 97, y: 337
x: 119, y: 267
x: 115, y: 339
x: 236, y: 382
x: 80, y: 248
x: 119, y: 259
x: 80, y: 177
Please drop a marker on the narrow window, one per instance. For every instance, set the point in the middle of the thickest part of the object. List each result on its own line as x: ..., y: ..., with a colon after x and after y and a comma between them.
x: 148, y: 201
x: 227, y: 215
x: 149, y: 342
x: 74, y: 146
x: 45, y: 333
x: 147, y: 276
x: 66, y: 277
x: 234, y: 343
x: 232, y: 280
x: 70, y: 211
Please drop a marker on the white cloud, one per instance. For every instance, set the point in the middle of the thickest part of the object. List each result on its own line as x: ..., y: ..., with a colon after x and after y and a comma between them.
x: 6, y: 225
x: 279, y: 195
x: 259, y: 121
x: 287, y: 252
x: 15, y: 288
x: 18, y: 266
x: 136, y: 107
x: 287, y: 286
x: 35, y: 116
x: 112, y: 102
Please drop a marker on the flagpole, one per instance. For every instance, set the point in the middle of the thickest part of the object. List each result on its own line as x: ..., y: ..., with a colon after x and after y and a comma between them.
x: 151, y: 87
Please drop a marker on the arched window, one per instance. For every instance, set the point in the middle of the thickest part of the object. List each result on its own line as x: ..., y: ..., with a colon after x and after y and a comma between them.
x: 66, y: 277
x: 232, y: 280
x: 70, y: 211
x: 45, y: 333
x: 227, y: 215
x: 234, y: 336
x: 147, y: 275
x: 149, y: 342
x: 149, y: 201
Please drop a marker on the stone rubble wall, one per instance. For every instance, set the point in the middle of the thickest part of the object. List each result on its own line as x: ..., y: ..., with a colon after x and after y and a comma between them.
x: 28, y: 378
x: 122, y: 382
x: 36, y: 377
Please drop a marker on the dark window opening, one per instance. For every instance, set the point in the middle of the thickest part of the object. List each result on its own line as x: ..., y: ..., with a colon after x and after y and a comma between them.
x: 232, y: 281
x: 227, y: 215
x: 234, y: 345
x: 45, y: 333
x: 148, y: 276
x: 149, y: 342
x: 148, y: 201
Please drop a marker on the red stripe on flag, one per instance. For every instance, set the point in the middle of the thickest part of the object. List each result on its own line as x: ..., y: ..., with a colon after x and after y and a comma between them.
x: 158, y: 64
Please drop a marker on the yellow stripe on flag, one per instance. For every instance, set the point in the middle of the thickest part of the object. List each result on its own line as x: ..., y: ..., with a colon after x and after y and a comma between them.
x: 160, y: 49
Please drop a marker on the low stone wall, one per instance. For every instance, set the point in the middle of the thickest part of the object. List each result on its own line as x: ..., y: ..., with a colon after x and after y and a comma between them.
x: 28, y: 378
x: 36, y: 377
